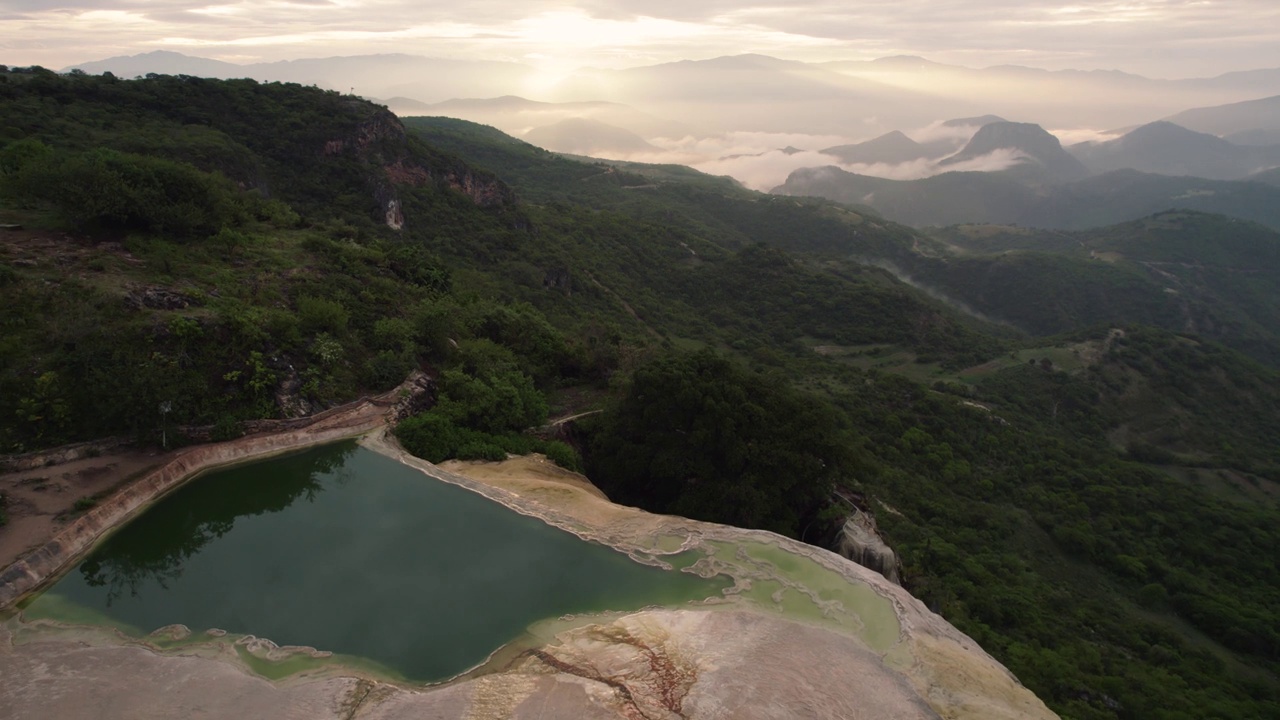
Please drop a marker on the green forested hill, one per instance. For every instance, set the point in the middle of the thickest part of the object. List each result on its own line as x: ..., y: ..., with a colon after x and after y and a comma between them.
x: 716, y: 208
x: 1097, y: 508
x: 1000, y: 198
x: 1188, y: 272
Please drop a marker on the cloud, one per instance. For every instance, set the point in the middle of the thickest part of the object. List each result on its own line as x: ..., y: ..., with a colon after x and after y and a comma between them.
x: 940, y: 131
x: 1160, y: 37
x: 762, y: 161
x: 1001, y: 159
x: 1072, y: 136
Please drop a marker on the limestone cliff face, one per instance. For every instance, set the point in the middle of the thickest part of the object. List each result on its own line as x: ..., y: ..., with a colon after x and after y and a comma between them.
x: 860, y: 541
x: 381, y: 142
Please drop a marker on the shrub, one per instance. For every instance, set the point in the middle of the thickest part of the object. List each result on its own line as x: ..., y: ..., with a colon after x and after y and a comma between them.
x: 563, y: 455
x: 121, y: 191
x: 387, y: 369
x: 316, y: 315
x: 394, y: 334
x: 229, y: 240
x: 488, y: 392
x: 227, y: 427
x: 481, y: 451
x: 429, y: 436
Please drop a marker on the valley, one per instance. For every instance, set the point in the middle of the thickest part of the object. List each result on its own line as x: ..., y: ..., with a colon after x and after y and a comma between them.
x: 1065, y: 431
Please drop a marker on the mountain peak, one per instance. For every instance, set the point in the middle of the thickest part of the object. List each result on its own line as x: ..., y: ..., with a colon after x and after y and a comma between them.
x: 1167, y: 148
x: 891, y: 148
x: 1042, y: 152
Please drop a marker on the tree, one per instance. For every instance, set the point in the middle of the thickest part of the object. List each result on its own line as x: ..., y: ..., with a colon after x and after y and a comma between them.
x: 696, y: 435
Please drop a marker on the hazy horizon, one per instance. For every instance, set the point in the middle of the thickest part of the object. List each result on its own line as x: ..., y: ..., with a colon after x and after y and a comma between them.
x: 1154, y: 38
x: 769, y: 87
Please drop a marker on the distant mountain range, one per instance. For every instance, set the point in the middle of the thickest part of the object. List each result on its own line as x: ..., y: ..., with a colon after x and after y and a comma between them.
x: 1169, y: 149
x: 1028, y: 177
x: 1253, y: 122
x: 759, y: 93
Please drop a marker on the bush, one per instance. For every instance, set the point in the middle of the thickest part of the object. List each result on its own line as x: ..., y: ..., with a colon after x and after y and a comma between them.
x: 563, y: 455
x: 429, y: 436
x: 317, y: 315
x: 435, y: 438
x: 394, y: 334
x: 227, y: 427
x: 118, y: 191
x: 387, y: 369
x: 229, y: 240
x: 473, y: 450
x: 699, y: 436
x: 499, y: 403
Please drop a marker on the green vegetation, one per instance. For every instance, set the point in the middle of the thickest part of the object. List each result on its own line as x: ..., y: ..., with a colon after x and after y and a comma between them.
x: 1004, y: 198
x: 1109, y: 589
x: 105, y: 190
x: 695, y: 435
x: 483, y: 404
x: 1176, y: 270
x: 1049, y: 495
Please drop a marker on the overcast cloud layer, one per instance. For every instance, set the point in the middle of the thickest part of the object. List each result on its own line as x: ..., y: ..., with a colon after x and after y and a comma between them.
x: 1157, y: 38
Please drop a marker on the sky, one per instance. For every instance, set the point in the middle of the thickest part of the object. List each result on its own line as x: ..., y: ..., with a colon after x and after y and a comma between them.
x: 1156, y: 38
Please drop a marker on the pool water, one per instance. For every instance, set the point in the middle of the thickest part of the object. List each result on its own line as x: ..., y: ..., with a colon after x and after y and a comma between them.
x: 345, y: 550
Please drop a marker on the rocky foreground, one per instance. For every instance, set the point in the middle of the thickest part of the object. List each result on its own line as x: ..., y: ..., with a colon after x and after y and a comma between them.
x: 836, y: 641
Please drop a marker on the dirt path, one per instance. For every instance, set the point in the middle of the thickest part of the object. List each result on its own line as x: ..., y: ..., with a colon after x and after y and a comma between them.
x: 41, y: 501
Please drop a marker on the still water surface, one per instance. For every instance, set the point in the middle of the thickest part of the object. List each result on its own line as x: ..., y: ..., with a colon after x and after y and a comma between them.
x: 346, y: 550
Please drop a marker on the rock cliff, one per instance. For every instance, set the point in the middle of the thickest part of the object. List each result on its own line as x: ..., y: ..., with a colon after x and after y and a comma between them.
x: 860, y: 541
x: 396, y: 161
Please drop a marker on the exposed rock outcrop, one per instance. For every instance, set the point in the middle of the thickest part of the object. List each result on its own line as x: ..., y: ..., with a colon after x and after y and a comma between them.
x: 60, y: 455
x: 860, y: 541
x: 158, y: 298
x: 558, y: 279
x: 381, y: 142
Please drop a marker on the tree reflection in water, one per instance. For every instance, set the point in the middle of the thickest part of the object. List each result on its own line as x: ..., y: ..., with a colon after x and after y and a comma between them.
x: 156, y: 545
